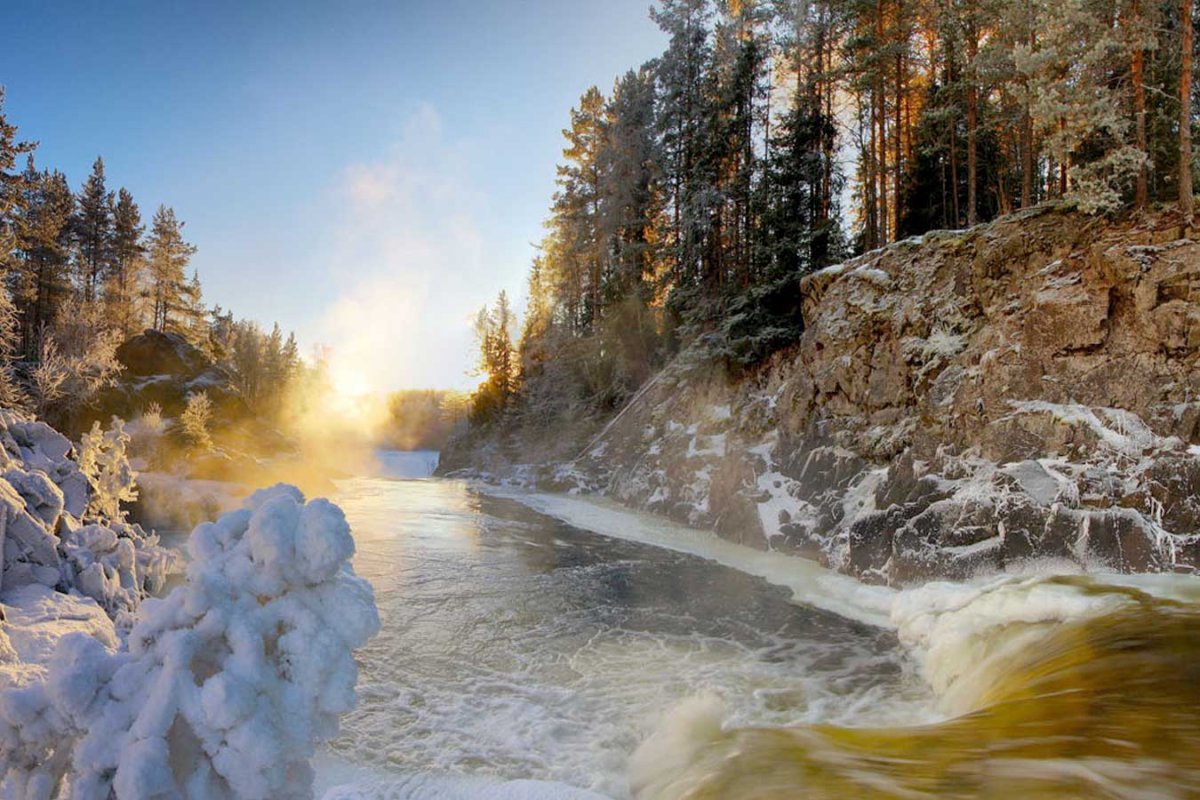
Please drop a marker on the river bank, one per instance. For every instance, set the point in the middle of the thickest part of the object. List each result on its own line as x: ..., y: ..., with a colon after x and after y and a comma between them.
x: 958, y: 405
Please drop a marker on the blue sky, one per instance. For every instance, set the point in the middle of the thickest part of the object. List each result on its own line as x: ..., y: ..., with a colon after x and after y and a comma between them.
x: 366, y: 173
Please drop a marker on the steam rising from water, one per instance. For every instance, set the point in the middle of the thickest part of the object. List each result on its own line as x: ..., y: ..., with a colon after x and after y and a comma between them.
x: 410, y: 259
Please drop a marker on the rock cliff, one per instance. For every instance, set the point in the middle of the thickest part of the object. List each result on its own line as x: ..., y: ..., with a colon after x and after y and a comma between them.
x: 959, y: 403
x: 164, y: 368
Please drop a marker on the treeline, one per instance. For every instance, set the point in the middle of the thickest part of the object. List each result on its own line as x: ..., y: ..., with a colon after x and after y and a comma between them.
x: 771, y: 139
x: 421, y: 419
x: 82, y: 271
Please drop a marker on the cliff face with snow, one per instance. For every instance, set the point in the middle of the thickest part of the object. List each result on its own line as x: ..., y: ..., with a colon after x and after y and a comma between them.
x: 958, y: 404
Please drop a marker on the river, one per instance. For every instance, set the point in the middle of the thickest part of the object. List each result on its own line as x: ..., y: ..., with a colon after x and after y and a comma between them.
x: 524, y: 657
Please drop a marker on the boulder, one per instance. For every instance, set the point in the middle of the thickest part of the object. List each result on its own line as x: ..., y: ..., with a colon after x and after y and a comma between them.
x: 154, y: 352
x: 163, y: 369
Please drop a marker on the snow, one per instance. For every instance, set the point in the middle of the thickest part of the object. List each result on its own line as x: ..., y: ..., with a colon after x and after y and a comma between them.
x: 221, y: 689
x: 35, y: 620
x: 944, y: 344
x: 63, y: 525
x: 1120, y: 430
x: 104, y: 461
x: 873, y: 275
x: 700, y: 446
x: 1040, y: 482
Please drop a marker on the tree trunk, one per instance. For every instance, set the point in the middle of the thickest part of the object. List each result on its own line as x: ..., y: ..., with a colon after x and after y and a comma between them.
x: 1062, y: 166
x: 881, y: 167
x: 898, y: 133
x: 972, y: 123
x: 1027, y: 159
x: 881, y: 118
x: 1137, y: 70
x: 951, y: 76
x: 825, y: 95
x: 1186, y: 199
x: 871, y: 239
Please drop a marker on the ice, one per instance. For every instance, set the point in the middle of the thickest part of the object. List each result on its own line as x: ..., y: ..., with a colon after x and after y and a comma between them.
x: 809, y: 582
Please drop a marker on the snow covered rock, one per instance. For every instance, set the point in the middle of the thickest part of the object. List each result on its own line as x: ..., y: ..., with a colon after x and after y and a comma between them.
x: 224, y: 686
x: 165, y: 368
x: 962, y: 403
x: 61, y: 523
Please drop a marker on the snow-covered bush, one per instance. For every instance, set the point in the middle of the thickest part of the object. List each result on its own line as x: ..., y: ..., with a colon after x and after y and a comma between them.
x: 62, y: 523
x: 104, y: 460
x: 78, y: 358
x: 195, y: 420
x: 225, y: 685
x: 12, y: 395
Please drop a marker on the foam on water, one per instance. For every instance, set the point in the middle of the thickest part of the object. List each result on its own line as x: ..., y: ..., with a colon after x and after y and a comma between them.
x: 522, y: 658
x: 515, y: 648
x: 1054, y: 686
x: 342, y: 780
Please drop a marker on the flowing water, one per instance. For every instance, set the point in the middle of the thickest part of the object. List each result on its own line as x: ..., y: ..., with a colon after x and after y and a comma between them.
x: 522, y: 657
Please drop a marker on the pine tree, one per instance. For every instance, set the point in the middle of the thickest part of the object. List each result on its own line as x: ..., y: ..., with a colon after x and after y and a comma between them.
x: 628, y: 167
x: 93, y: 232
x: 169, y: 257
x: 43, y: 281
x: 12, y: 189
x: 577, y: 206
x: 737, y: 90
x: 248, y: 359
x: 128, y: 253
x: 12, y: 210
x: 683, y: 114
x: 290, y: 360
x: 192, y: 321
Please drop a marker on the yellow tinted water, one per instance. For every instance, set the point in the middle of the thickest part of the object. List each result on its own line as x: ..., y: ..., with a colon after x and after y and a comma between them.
x: 1099, y: 707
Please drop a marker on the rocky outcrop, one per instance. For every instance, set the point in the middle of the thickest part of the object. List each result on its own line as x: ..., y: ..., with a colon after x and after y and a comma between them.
x: 959, y: 403
x: 164, y: 368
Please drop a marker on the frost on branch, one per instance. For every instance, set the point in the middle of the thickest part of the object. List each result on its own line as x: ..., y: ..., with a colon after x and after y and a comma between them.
x: 61, y: 524
x: 104, y: 460
x: 226, y: 684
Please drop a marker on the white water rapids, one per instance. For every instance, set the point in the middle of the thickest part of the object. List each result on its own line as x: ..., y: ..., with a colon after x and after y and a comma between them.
x: 524, y: 656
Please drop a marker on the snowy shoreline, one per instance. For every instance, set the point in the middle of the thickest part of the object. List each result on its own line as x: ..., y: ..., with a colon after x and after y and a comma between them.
x: 937, y: 620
